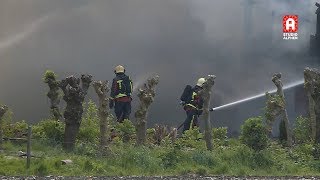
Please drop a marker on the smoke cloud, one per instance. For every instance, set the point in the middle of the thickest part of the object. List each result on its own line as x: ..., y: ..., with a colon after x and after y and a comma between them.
x: 180, y: 40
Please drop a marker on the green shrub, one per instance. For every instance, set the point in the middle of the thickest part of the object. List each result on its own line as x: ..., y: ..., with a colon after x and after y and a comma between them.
x: 220, y: 135
x: 49, y: 74
x: 302, y: 130
x: 7, y: 118
x: 204, y: 158
x: 90, y: 128
x: 15, y: 130
x: 254, y: 134
x: 192, y: 138
x: 126, y: 130
x: 261, y: 159
x: 50, y: 130
x: 171, y: 158
x: 282, y: 132
x: 302, y: 153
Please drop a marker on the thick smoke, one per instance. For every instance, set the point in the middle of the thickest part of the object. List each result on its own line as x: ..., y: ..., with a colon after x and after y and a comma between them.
x: 178, y: 39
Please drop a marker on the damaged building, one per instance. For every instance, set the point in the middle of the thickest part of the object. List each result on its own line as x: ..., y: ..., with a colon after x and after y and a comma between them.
x: 315, y: 39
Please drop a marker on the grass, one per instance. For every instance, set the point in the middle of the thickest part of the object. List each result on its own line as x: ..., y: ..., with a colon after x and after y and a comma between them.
x: 125, y: 159
x: 188, y: 155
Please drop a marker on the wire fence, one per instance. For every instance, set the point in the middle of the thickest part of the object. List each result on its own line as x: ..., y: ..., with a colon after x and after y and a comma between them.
x: 28, y: 144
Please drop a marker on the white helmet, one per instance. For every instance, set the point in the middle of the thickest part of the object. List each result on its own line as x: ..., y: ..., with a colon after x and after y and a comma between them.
x: 201, y: 81
x: 119, y: 69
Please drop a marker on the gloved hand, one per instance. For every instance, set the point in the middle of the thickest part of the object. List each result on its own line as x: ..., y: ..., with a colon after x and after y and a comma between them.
x: 182, y: 103
x: 211, y: 109
x: 111, y: 104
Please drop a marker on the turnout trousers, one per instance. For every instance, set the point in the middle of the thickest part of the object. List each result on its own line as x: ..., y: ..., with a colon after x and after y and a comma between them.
x: 122, y: 110
x: 192, y: 117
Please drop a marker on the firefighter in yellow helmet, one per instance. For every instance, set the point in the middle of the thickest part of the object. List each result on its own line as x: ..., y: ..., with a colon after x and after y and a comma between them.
x: 121, y: 94
x: 192, y: 103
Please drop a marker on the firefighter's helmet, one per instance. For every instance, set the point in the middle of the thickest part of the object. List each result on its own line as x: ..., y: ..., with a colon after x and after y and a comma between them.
x: 119, y: 69
x: 201, y: 81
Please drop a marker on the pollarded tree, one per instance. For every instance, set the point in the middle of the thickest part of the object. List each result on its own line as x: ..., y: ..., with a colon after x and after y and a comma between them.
x: 54, y: 93
x: 3, y: 110
x: 310, y: 77
x: 276, y: 106
x: 206, y: 95
x: 74, y: 95
x: 146, y: 96
x: 312, y: 83
x: 102, y: 90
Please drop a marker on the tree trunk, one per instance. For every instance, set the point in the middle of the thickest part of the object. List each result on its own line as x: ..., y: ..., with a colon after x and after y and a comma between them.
x: 274, y: 109
x: 317, y: 111
x: 74, y: 96
x: 146, y: 96
x: 284, y: 115
x: 312, y: 116
x: 206, y: 95
x: 3, y: 110
x: 70, y: 135
x: 312, y: 84
x: 308, y: 85
x: 54, y: 96
x: 102, y: 90
x: 288, y: 129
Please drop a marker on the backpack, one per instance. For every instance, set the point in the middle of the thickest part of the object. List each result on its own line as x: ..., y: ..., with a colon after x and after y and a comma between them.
x: 187, y: 94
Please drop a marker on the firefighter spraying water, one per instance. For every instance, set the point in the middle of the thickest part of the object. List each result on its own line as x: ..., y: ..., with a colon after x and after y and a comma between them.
x: 192, y: 104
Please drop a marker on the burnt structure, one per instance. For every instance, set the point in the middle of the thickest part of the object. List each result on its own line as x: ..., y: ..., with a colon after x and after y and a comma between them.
x: 315, y: 39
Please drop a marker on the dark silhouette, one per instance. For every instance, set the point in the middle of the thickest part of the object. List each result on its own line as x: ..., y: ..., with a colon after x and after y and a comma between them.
x: 315, y: 39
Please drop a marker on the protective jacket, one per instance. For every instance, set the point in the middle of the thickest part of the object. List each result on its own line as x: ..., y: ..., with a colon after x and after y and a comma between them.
x: 193, y: 104
x: 195, y: 101
x: 121, y: 88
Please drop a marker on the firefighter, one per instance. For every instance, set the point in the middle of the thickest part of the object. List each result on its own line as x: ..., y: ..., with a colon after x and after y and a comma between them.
x: 120, y: 97
x: 192, y: 103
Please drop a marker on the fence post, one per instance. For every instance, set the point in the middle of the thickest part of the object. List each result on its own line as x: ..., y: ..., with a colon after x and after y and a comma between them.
x: 29, y: 147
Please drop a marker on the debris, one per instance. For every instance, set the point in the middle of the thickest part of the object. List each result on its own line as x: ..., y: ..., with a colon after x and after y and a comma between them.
x: 66, y: 161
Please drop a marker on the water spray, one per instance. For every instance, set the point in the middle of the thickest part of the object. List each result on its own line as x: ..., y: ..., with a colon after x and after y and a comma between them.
x: 138, y: 82
x: 256, y: 96
x: 17, y: 38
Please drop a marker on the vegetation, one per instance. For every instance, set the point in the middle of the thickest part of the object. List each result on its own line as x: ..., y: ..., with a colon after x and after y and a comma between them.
x: 251, y: 154
x: 254, y: 134
x: 302, y: 130
x: 49, y: 74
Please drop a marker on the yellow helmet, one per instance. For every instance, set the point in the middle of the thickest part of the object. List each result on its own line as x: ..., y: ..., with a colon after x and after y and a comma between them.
x: 119, y: 69
x: 201, y: 81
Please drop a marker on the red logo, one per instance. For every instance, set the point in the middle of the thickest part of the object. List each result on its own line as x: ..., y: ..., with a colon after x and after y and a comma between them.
x: 290, y: 23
